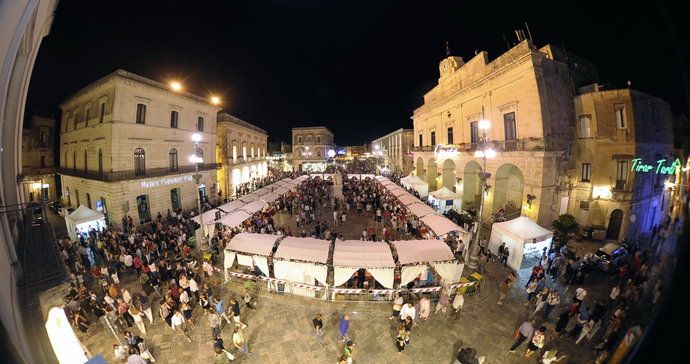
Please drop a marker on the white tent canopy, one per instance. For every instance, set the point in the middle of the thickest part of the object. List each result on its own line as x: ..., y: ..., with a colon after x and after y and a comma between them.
x: 441, y: 225
x: 445, y: 194
x: 522, y: 236
x: 83, y: 218
x: 432, y: 251
x: 375, y: 257
x: 408, y: 199
x: 396, y: 191
x: 249, y: 198
x: 269, y: 197
x: 254, y: 207
x: 416, y: 184
x: 308, y: 251
x: 208, y: 217
x: 281, y: 191
x: 420, y: 209
x: 249, y: 249
x: 360, y: 176
x: 262, y: 191
x: 234, y: 219
x: 381, y: 178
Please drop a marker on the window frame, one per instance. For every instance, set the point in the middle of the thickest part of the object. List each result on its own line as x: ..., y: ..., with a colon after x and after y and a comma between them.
x: 140, y: 117
x: 506, y: 122
x: 432, y: 136
x: 474, y: 132
x: 580, y: 128
x: 173, y: 160
x: 101, y: 117
x: 139, y: 162
x: 449, y: 134
x: 586, y: 172
x: 174, y: 119
x: 200, y: 124
x: 622, y: 171
x: 619, y: 111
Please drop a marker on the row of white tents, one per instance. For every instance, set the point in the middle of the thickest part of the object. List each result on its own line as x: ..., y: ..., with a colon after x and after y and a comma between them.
x: 303, y: 260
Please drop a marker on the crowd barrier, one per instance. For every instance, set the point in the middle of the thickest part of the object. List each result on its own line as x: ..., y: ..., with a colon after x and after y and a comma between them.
x: 335, y: 294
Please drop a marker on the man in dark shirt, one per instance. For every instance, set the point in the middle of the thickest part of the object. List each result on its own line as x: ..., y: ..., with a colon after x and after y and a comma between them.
x: 236, y: 312
x: 318, y: 325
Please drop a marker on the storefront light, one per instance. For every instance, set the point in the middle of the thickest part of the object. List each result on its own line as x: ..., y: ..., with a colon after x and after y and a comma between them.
x: 602, y: 192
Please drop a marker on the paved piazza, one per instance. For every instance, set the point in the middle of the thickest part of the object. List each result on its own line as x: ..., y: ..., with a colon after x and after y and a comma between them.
x: 280, y: 331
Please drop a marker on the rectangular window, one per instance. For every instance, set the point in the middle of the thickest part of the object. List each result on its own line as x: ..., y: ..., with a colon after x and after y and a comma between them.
x: 509, y: 126
x: 88, y: 116
x: 102, y: 115
x: 619, y: 109
x: 586, y: 170
x: 450, y: 135
x: 621, y: 174
x: 474, y: 132
x: 44, y: 138
x: 420, y: 140
x: 584, y: 127
x: 174, y: 116
x: 433, y: 138
x: 200, y: 124
x: 141, y: 114
x: 43, y: 161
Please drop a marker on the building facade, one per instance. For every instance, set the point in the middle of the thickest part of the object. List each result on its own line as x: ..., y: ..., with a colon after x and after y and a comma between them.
x: 526, y: 94
x: 311, y: 147
x: 624, y: 165
x: 125, y: 147
x: 241, y: 149
x: 396, y: 150
x: 37, y: 180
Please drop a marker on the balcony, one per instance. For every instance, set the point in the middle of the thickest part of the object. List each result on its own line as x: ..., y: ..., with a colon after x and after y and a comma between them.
x: 129, y: 174
x: 517, y: 145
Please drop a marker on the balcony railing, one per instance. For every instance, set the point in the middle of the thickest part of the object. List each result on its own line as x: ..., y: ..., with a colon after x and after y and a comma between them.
x: 525, y: 144
x: 130, y: 174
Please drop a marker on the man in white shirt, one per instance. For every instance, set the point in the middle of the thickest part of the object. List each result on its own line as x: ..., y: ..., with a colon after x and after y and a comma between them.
x: 407, y: 310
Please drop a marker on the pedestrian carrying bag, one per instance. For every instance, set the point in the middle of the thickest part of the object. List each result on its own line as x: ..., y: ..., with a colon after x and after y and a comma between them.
x: 230, y: 356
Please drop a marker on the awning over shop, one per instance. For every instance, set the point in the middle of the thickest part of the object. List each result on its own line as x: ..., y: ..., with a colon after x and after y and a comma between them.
x: 375, y: 257
x: 251, y: 243
x: 428, y: 250
x: 441, y: 225
x: 304, y: 249
x: 420, y: 209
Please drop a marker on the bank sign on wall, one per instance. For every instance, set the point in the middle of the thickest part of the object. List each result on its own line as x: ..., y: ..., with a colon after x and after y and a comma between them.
x: 166, y: 181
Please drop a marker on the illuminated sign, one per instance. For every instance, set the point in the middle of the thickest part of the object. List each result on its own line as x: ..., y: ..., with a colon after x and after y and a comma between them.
x: 166, y: 181
x: 659, y: 168
x: 331, y: 153
x: 445, y: 151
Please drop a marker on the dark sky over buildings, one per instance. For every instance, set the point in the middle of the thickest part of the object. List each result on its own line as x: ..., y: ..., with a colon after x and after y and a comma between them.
x: 358, y: 67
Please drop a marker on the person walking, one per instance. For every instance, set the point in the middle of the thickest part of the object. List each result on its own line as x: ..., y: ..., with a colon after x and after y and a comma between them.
x: 343, y: 328
x: 318, y: 326
x: 580, y: 294
x: 239, y: 342
x: 138, y: 320
x: 178, y: 324
x: 236, y: 313
x: 424, y: 307
x: 503, y: 289
x: 553, y: 299
x: 347, y: 351
x: 582, y: 319
x: 561, y: 324
x: 443, y: 301
x: 523, y: 332
x: 537, y: 342
x: 214, y: 322
x: 402, y: 339
x: 397, y: 305
x: 458, y: 302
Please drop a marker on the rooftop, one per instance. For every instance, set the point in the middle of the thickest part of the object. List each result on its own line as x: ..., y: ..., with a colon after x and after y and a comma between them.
x: 224, y: 117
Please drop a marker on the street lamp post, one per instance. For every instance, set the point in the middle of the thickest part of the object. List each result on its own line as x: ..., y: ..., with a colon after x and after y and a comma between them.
x: 197, y: 158
x: 484, y: 152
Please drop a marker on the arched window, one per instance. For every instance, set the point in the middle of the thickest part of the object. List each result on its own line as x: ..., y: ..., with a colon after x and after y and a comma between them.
x: 200, y: 124
x: 252, y: 151
x: 100, y: 161
x: 139, y: 162
x: 234, y: 153
x: 174, y: 116
x: 86, y: 161
x: 173, y: 159
x: 299, y: 139
x: 244, y: 152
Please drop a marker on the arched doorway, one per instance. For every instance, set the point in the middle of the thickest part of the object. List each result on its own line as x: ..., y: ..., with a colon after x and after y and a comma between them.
x: 613, y: 230
x: 419, y: 168
x: 448, y: 174
x: 509, y: 184
x: 471, y: 185
x: 431, y: 174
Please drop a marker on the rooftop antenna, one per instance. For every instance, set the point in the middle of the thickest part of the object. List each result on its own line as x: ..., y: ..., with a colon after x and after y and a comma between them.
x: 447, y: 49
x: 528, y: 32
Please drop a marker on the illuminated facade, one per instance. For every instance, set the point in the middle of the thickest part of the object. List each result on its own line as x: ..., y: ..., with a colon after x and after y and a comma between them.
x: 526, y: 94
x: 38, y: 169
x: 396, y: 150
x: 310, y: 148
x: 623, y: 161
x: 241, y: 149
x: 125, y: 147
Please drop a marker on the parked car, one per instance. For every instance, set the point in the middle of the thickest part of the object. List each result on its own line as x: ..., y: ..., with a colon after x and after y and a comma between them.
x: 610, y: 256
x: 64, y: 211
x: 55, y: 206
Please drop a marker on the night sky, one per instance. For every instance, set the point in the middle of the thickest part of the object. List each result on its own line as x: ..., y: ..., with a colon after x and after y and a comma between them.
x: 358, y: 67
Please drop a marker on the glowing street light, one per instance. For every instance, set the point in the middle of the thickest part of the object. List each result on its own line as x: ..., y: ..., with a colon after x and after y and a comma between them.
x: 175, y: 86
x: 215, y: 100
x: 196, y: 137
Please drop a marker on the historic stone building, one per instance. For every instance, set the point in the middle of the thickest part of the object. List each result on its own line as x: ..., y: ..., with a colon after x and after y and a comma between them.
x: 396, y: 150
x: 311, y: 146
x: 623, y: 146
x: 241, y: 149
x: 37, y: 180
x: 527, y: 96
x: 125, y: 147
